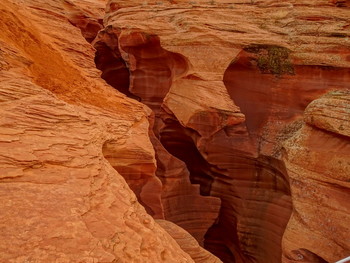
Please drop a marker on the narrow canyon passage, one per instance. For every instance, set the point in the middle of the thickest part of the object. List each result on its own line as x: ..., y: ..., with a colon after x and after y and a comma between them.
x: 174, y: 131
x: 149, y: 80
x: 254, y: 192
x: 245, y: 204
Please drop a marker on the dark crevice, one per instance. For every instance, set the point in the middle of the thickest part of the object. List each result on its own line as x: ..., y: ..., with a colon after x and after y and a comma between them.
x: 246, y: 185
x: 147, y: 75
x: 114, y: 69
x: 178, y: 142
x: 341, y: 3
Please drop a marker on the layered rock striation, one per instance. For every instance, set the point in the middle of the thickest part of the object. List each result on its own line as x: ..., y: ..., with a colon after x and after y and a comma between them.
x: 60, y: 198
x: 317, y: 158
x: 62, y: 129
x: 210, y: 133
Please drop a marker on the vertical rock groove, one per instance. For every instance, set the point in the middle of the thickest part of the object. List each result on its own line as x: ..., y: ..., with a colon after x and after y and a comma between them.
x: 150, y: 70
x: 246, y: 184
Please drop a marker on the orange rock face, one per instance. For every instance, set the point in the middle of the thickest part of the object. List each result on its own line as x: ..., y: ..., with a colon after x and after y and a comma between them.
x: 188, y: 243
x: 317, y: 158
x: 293, y: 88
x: 210, y: 133
x: 194, y: 63
x: 61, y: 129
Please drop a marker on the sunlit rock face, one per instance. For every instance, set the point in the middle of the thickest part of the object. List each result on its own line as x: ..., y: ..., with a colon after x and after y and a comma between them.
x: 61, y: 129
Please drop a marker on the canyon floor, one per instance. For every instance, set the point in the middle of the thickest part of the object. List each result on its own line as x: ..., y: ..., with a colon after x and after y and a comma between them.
x: 174, y: 131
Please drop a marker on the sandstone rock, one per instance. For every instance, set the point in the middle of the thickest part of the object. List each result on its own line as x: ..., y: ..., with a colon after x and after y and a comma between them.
x: 224, y: 83
x: 330, y: 113
x: 60, y: 198
x: 317, y: 159
x: 150, y: 68
x: 188, y: 243
x: 194, y: 62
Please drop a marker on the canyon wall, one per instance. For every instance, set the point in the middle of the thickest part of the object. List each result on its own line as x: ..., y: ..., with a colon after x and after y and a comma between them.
x: 129, y: 126
x: 317, y: 158
x: 228, y: 82
x: 62, y: 129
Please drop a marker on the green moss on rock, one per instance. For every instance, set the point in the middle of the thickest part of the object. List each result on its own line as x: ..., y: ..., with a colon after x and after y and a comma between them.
x: 272, y: 59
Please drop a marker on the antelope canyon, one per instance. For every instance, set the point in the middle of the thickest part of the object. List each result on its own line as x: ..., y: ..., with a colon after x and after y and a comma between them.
x: 136, y: 131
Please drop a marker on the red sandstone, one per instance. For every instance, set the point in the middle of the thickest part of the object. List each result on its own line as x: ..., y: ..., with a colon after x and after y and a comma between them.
x: 221, y: 131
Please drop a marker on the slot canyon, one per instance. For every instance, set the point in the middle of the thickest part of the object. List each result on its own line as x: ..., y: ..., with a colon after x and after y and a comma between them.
x: 174, y: 131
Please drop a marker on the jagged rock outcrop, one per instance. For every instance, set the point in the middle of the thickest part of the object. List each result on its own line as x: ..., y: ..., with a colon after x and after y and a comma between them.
x: 317, y: 158
x: 194, y: 62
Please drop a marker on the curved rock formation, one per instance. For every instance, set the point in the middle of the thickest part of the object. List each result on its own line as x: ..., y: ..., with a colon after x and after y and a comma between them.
x: 317, y: 159
x: 279, y: 52
x: 152, y: 71
x: 60, y: 199
x: 85, y: 15
x: 271, y: 91
x: 222, y: 84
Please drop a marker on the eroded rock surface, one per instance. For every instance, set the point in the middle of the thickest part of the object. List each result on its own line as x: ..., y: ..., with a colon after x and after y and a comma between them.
x: 317, y: 158
x: 60, y: 198
x: 221, y: 84
x: 188, y: 243
x: 194, y: 62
